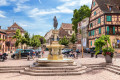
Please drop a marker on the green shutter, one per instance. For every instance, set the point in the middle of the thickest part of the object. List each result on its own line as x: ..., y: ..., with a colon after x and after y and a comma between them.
x: 109, y: 18
x: 107, y: 30
x: 93, y: 32
x: 89, y: 33
x: 94, y: 13
x: 113, y: 30
x: 99, y: 20
x: 99, y: 30
x: 94, y: 3
x: 91, y: 43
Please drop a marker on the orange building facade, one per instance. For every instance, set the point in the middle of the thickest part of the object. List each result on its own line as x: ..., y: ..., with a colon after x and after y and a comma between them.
x: 104, y: 20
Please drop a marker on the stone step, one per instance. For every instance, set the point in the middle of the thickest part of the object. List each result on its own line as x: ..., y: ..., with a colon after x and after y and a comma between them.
x: 9, y: 71
x: 54, y: 68
x: 12, y: 68
x: 113, y: 67
x: 113, y: 71
x: 53, y: 74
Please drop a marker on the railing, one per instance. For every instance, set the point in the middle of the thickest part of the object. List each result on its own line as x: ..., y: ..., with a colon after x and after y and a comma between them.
x: 111, y: 33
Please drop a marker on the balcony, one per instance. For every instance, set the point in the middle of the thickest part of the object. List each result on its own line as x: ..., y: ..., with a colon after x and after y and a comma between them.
x: 111, y: 33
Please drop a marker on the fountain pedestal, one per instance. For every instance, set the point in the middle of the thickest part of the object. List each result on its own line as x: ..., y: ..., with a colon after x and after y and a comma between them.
x: 55, y: 57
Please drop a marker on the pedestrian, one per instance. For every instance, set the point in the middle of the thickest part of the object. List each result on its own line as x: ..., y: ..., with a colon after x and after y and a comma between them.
x: 42, y: 52
x: 33, y: 55
x: 71, y: 54
x: 28, y: 56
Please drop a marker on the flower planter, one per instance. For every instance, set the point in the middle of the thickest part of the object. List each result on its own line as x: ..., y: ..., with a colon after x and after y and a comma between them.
x: 108, y: 59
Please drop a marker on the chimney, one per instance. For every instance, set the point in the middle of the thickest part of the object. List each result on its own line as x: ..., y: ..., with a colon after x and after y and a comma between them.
x: 0, y: 27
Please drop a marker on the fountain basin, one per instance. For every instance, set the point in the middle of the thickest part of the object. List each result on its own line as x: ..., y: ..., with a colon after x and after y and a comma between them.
x: 46, y: 62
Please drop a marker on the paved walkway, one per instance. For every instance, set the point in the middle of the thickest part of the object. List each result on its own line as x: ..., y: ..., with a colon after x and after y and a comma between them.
x: 94, y: 75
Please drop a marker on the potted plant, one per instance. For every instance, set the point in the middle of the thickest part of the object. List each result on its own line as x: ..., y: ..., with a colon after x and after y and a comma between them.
x: 103, y: 43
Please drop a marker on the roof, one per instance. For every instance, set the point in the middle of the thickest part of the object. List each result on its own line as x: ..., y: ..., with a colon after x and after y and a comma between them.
x: 15, y: 25
x: 104, y: 3
x: 11, y: 34
x: 66, y: 26
x: 63, y: 33
x: 2, y: 31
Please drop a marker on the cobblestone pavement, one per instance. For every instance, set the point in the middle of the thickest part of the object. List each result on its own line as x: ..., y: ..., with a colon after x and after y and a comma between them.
x: 94, y: 75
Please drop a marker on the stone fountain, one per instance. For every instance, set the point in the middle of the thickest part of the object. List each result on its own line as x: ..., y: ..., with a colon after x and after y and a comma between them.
x: 55, y: 56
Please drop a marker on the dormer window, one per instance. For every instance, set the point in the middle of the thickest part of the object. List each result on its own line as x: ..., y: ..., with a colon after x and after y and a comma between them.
x: 110, y: 8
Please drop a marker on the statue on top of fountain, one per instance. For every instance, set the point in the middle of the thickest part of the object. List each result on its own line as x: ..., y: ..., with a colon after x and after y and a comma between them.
x: 55, y: 22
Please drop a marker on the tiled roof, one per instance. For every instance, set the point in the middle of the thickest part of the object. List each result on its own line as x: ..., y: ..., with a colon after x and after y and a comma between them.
x: 2, y: 31
x: 11, y: 34
x: 104, y: 3
x: 15, y: 25
x: 66, y: 26
x: 63, y: 33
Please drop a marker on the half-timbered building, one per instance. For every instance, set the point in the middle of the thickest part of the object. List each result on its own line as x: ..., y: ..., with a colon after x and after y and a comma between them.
x: 104, y: 20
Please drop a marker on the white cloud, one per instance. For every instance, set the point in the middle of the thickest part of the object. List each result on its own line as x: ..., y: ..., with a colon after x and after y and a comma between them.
x: 40, y: 1
x: 2, y: 14
x: 67, y: 8
x: 3, y: 3
x: 23, y: 25
x: 13, y: 0
x: 21, y: 6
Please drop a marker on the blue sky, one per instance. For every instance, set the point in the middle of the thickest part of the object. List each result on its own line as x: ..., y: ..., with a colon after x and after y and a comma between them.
x: 36, y: 16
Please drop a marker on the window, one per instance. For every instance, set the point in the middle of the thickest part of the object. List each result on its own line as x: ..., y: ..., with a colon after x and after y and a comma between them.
x: 110, y: 8
x: 0, y: 35
x: 94, y: 3
x: 109, y: 18
x: 94, y: 13
x: 113, y: 30
x: 99, y: 20
x: 107, y: 30
x: 91, y: 43
x: 91, y: 25
x: 99, y: 30
x: 3, y: 37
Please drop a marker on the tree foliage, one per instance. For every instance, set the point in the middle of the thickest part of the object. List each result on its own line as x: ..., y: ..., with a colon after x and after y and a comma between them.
x: 73, y: 39
x: 18, y: 37
x: 64, y: 41
x: 37, y: 40
x: 26, y: 39
x: 103, y: 43
x: 79, y: 15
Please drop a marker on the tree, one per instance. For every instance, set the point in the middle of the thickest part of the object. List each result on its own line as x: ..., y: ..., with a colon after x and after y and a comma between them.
x: 64, y: 41
x: 37, y: 40
x: 26, y: 39
x: 79, y: 15
x: 18, y: 37
x: 73, y: 39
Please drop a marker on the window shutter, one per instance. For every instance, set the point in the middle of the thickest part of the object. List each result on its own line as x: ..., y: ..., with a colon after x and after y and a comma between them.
x: 99, y: 20
x: 108, y: 30
x: 109, y: 18
x: 113, y: 30
x: 99, y: 30
x: 94, y: 3
x: 89, y: 33
x: 94, y: 13
x: 93, y: 32
x: 91, y: 43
